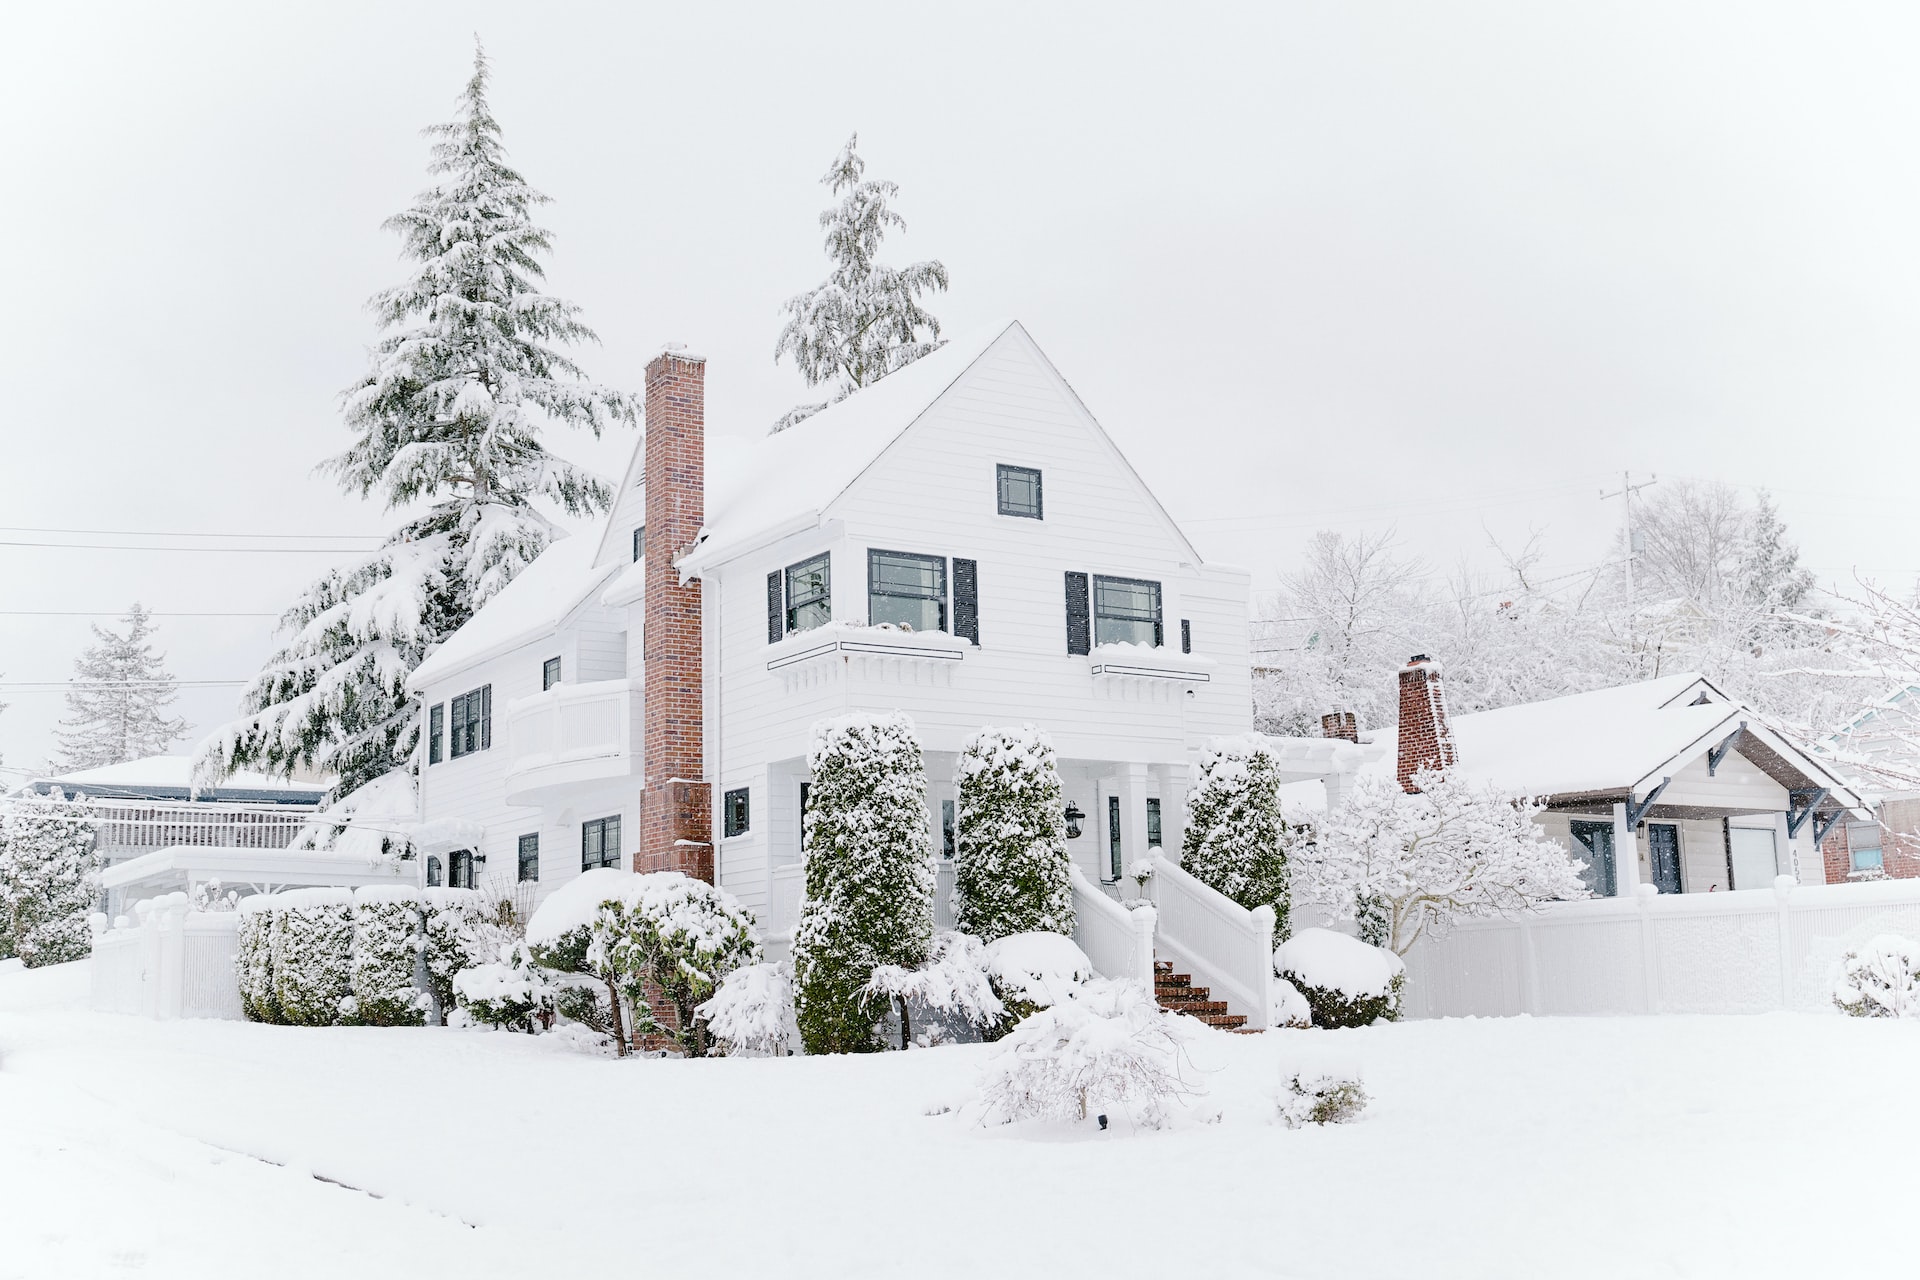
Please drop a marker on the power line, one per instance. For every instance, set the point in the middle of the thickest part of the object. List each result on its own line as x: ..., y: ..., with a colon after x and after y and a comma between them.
x: 131, y: 546
x: 61, y: 686
x: 118, y: 613
x: 188, y: 533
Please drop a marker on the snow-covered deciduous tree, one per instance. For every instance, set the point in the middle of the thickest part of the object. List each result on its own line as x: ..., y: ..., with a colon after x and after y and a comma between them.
x: 864, y: 321
x: 114, y: 705
x: 1405, y: 864
x: 1010, y: 868
x: 956, y: 981
x: 1880, y: 979
x: 1110, y: 1047
x: 868, y: 876
x: 49, y: 878
x: 672, y: 934
x: 448, y: 423
x: 1234, y: 840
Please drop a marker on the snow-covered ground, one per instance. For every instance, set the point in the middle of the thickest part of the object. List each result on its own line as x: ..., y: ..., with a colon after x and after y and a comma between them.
x: 1780, y: 1145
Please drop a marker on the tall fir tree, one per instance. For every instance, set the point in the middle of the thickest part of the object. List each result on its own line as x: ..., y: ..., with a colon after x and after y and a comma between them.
x: 114, y: 707
x: 450, y: 415
x: 1235, y: 838
x: 49, y: 881
x: 1010, y: 872
x: 864, y: 321
x: 868, y: 876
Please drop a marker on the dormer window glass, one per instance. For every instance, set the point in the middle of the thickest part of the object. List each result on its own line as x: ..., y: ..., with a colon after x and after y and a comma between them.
x: 809, y: 594
x: 1127, y: 611
x: 639, y: 542
x: 907, y: 590
x: 1019, y: 491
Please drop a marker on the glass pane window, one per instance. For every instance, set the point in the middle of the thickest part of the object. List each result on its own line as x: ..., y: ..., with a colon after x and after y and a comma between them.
x: 460, y: 869
x: 1153, y: 822
x: 907, y: 590
x: 639, y: 542
x: 550, y: 673
x: 809, y: 594
x: 433, y: 871
x: 733, y: 813
x: 1113, y: 837
x: 1863, y: 845
x: 1126, y: 611
x: 947, y: 830
x: 436, y: 726
x: 471, y: 716
x: 1019, y: 491
x: 530, y: 857
x: 600, y: 843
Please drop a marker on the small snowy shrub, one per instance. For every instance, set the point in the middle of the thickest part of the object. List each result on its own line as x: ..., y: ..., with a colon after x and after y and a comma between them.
x: 1345, y: 982
x: 253, y: 958
x: 1234, y: 839
x: 751, y: 1015
x: 955, y: 982
x: 513, y: 993
x: 1289, y: 1007
x: 1033, y: 971
x: 1010, y: 837
x: 206, y: 897
x: 387, y: 940
x: 459, y: 935
x: 573, y: 933
x: 313, y: 957
x: 1110, y: 1047
x: 869, y: 876
x: 1880, y: 979
x: 1321, y: 1099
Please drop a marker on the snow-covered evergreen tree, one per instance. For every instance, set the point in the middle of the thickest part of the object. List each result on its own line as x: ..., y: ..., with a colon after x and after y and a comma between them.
x: 1010, y: 870
x: 868, y: 876
x: 864, y: 321
x: 448, y: 422
x: 1235, y: 836
x: 49, y: 878
x: 114, y: 707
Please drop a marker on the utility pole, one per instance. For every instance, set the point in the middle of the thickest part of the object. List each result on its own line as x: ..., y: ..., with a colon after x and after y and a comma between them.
x: 1625, y: 492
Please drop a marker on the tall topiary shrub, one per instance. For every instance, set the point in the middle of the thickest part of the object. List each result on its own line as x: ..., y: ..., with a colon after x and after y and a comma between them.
x: 1010, y: 870
x: 49, y: 878
x: 1234, y: 832
x: 869, y: 876
x: 388, y: 935
x: 458, y: 935
x: 259, y: 916
x: 313, y: 957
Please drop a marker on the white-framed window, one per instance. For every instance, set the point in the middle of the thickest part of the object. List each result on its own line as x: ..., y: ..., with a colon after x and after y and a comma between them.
x: 1864, y: 852
x: 907, y: 589
x: 1127, y: 611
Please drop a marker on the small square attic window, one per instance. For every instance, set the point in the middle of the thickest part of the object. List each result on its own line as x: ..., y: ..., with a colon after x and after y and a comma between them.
x: 1019, y: 491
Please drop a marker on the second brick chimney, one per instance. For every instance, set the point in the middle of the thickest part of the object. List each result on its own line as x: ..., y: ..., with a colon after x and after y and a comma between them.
x: 1426, y: 739
x: 1340, y: 724
x: 676, y: 810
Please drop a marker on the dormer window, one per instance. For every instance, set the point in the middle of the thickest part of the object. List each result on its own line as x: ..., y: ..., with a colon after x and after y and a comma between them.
x: 639, y: 542
x: 1019, y: 491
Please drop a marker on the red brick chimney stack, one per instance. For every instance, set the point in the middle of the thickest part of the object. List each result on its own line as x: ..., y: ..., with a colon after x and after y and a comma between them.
x: 676, y: 809
x: 1426, y: 739
x: 1340, y: 724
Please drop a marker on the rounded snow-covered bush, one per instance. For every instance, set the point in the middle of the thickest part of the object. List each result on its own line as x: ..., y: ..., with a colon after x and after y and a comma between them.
x: 868, y: 876
x: 1288, y: 1007
x: 1234, y: 837
x: 253, y: 956
x: 458, y: 935
x: 514, y: 993
x: 388, y: 934
x: 1345, y: 982
x: 751, y: 1014
x: 1321, y: 1098
x: 1032, y: 971
x: 1880, y: 979
x: 313, y: 957
x: 956, y: 984
x: 1109, y: 1047
x: 1010, y: 865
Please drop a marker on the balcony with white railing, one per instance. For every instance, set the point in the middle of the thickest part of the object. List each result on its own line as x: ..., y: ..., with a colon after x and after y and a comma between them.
x: 570, y: 734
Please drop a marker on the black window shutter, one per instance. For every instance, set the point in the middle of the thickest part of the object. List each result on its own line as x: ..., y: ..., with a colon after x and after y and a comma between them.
x: 966, y: 599
x: 1079, y: 634
x: 776, y: 622
x: 1186, y: 636
x: 486, y: 716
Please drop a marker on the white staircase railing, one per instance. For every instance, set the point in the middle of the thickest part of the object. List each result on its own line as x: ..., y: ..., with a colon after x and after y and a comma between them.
x: 1226, y: 947
x: 1118, y: 940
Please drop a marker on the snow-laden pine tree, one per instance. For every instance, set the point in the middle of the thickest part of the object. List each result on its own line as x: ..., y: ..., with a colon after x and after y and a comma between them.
x: 114, y: 706
x: 868, y: 876
x: 49, y: 880
x: 864, y: 321
x: 448, y: 421
x: 1010, y: 838
x: 1234, y: 839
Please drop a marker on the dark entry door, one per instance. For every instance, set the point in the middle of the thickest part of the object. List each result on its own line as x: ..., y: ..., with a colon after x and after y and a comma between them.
x: 1596, y: 850
x: 1663, y: 851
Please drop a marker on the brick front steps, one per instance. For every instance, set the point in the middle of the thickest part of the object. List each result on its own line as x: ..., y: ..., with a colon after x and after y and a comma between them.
x: 1175, y: 991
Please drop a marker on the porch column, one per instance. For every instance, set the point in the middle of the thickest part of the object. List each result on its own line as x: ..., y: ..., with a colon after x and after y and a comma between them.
x: 1172, y: 780
x: 1626, y: 855
x: 1133, y: 814
x: 1786, y: 848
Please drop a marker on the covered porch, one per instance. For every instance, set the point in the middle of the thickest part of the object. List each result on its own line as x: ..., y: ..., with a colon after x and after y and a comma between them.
x: 185, y: 868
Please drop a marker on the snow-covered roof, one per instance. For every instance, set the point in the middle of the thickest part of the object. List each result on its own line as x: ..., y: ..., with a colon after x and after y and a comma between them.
x: 532, y: 605
x: 1610, y: 740
x: 238, y: 867
x: 171, y: 778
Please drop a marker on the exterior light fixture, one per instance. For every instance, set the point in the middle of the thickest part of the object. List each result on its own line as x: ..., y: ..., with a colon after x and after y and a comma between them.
x: 1074, y: 818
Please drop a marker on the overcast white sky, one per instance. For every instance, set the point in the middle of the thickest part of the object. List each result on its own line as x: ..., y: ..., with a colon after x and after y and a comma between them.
x: 1431, y: 265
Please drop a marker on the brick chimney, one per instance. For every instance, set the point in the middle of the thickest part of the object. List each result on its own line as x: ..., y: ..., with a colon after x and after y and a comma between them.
x: 1340, y: 724
x: 676, y: 806
x: 1426, y: 739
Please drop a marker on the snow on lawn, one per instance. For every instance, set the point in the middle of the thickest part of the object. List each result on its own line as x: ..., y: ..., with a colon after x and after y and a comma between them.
x: 1757, y: 1146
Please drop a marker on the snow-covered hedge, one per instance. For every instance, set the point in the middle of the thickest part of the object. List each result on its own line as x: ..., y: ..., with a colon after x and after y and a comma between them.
x: 1010, y: 868
x: 1233, y: 841
x: 49, y: 878
x: 387, y: 941
x: 253, y: 958
x: 1108, y: 1048
x: 514, y: 993
x: 313, y: 957
x: 458, y: 936
x: 751, y: 1015
x: 1345, y: 982
x: 869, y: 876
x: 1321, y: 1098
x: 1880, y: 979
x: 955, y: 983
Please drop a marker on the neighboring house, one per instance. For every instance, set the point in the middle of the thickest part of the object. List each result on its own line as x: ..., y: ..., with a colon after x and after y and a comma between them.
x: 1702, y: 791
x: 960, y: 541
x: 1882, y: 746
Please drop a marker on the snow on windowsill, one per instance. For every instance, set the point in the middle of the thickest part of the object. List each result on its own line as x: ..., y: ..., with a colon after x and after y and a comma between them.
x: 1150, y: 661
x: 831, y: 638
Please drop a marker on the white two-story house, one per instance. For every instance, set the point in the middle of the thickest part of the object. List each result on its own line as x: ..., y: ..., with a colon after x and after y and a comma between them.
x: 961, y: 542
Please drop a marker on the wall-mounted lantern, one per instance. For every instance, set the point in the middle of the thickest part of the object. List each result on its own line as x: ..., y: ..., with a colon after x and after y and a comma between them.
x: 1074, y: 818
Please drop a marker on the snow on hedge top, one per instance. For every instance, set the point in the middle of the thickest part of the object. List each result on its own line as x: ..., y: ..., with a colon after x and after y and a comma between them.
x: 1039, y: 968
x: 530, y: 606
x: 1334, y: 962
x: 678, y: 902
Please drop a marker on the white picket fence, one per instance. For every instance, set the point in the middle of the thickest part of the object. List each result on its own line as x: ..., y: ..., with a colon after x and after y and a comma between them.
x: 167, y: 962
x: 1751, y: 951
x: 1117, y: 940
x: 1226, y: 947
